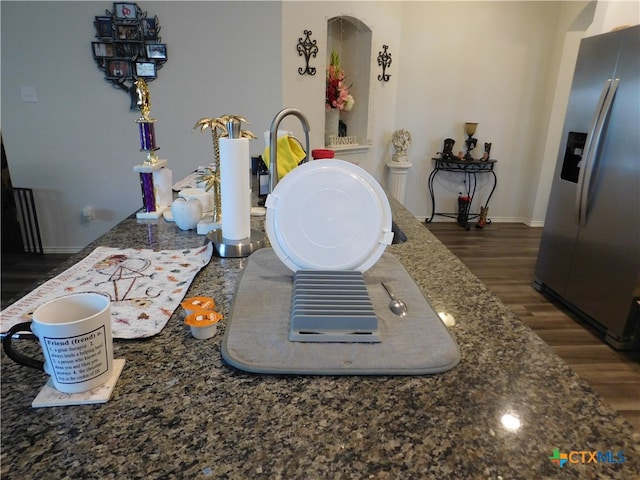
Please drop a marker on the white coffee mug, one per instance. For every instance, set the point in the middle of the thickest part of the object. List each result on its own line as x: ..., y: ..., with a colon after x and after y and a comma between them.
x: 74, y: 332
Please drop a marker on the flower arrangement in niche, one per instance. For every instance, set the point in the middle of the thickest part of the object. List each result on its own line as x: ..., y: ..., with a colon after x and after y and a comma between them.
x: 337, y: 92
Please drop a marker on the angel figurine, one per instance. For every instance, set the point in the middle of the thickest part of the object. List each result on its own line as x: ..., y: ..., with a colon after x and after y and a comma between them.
x: 401, y: 140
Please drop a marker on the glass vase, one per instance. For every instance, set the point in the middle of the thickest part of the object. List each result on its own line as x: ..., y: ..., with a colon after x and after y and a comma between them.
x: 332, y: 118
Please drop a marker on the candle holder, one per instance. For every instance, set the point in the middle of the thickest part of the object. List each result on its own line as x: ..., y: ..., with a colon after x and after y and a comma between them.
x: 155, y: 179
x: 470, y: 142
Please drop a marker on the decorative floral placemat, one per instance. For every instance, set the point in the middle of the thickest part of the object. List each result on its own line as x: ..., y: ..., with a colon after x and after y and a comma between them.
x: 145, y: 287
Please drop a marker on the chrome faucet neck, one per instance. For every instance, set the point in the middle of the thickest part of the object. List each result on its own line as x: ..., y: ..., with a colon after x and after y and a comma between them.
x: 273, y: 141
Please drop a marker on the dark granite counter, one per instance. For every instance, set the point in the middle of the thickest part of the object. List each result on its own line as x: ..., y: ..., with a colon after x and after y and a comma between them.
x: 178, y: 411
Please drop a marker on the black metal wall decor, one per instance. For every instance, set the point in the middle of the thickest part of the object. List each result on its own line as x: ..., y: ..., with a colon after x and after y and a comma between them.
x: 384, y: 60
x: 128, y: 47
x: 308, y: 48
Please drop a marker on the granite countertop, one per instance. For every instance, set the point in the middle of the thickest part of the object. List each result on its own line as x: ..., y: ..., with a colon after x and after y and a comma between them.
x: 178, y: 411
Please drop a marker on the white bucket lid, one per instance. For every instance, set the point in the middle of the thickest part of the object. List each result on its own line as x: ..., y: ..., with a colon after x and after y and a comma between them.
x: 328, y: 215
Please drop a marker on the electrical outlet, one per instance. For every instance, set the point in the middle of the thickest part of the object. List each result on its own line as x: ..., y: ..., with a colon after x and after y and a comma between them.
x: 29, y: 94
x: 88, y: 214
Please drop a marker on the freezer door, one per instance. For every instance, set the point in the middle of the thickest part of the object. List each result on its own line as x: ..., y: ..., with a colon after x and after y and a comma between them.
x: 594, y: 67
x: 606, y: 261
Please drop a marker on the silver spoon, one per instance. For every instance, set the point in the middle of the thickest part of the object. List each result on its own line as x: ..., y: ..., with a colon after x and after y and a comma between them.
x: 396, y: 306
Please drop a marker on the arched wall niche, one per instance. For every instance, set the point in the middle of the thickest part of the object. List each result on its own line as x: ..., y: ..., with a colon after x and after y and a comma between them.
x: 351, y: 38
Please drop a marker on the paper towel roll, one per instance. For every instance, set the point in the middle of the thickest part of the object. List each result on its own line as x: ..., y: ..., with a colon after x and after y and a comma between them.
x: 235, y: 188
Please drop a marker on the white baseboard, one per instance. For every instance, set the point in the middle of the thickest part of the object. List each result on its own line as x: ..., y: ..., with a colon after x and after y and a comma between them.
x: 535, y: 223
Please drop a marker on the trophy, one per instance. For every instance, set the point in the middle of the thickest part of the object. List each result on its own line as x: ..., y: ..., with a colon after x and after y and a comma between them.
x: 155, y: 180
x: 146, y: 123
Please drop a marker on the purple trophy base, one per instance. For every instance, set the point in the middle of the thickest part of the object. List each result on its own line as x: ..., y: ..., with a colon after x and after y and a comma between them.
x: 148, y: 194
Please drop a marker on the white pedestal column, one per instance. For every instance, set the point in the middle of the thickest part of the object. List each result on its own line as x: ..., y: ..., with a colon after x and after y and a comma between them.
x: 397, y: 183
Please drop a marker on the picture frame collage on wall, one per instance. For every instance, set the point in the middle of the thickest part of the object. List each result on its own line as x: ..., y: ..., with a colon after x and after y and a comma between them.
x: 128, y: 45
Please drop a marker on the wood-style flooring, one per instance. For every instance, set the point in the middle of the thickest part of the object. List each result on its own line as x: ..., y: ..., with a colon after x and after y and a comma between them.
x: 20, y: 271
x: 503, y: 257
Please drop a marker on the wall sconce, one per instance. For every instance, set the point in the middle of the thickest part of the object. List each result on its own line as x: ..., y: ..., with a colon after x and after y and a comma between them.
x: 384, y: 60
x: 308, y: 48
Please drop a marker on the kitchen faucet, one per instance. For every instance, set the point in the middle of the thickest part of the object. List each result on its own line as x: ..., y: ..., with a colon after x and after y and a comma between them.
x: 273, y: 142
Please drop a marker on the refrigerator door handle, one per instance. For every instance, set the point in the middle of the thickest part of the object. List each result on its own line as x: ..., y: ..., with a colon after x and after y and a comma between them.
x: 591, y: 149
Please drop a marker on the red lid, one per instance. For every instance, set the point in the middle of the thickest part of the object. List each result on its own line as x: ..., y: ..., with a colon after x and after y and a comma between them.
x: 319, y: 153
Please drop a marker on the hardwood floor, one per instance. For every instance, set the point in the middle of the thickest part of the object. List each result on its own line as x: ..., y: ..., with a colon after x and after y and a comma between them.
x: 503, y: 256
x: 20, y: 271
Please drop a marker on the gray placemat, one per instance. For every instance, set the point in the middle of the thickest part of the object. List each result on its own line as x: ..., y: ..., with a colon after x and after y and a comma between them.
x: 256, y: 338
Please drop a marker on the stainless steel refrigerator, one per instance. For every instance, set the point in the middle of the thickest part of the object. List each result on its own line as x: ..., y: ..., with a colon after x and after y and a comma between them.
x: 589, y: 256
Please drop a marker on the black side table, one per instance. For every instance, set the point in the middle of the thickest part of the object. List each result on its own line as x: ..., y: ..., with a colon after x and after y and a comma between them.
x: 469, y: 168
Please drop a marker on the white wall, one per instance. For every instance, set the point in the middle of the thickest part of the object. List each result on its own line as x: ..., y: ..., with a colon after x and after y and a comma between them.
x: 506, y: 65
x: 612, y: 14
x: 577, y: 20
x: 574, y: 19
x: 307, y: 92
x: 77, y: 146
x: 485, y: 62
x: 490, y: 62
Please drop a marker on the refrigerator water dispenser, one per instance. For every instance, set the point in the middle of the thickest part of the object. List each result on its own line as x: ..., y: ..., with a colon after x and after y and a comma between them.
x: 573, y: 156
